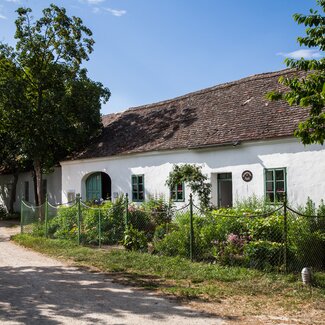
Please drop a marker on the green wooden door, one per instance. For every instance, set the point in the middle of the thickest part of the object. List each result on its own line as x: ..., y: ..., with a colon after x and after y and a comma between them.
x: 94, y: 187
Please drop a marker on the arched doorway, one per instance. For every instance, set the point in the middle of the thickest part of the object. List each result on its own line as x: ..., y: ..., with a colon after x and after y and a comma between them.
x: 98, y: 186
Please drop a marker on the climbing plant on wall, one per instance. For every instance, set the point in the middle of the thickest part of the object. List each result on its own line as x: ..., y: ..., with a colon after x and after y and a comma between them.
x: 196, y: 180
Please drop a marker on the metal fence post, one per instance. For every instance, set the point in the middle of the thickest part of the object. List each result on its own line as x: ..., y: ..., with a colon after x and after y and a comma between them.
x: 78, y: 198
x: 285, y: 232
x: 46, y: 215
x: 21, y: 217
x: 191, y: 227
x: 126, y: 210
x: 99, y: 230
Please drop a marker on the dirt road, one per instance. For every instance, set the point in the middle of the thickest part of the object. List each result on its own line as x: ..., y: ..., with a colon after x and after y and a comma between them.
x: 35, y: 289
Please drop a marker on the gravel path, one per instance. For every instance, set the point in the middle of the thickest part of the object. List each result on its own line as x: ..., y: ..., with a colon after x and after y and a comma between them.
x: 35, y: 289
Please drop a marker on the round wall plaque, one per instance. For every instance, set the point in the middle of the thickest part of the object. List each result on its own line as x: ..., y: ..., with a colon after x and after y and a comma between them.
x: 247, y: 175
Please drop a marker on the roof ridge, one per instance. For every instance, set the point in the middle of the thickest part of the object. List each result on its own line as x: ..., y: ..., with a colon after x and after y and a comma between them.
x: 257, y: 76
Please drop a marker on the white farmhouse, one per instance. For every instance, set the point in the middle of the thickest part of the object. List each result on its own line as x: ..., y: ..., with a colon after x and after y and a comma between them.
x: 243, y: 142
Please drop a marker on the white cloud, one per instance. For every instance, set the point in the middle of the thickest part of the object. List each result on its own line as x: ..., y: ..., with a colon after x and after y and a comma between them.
x: 96, y: 10
x: 14, y: 1
x: 94, y: 2
x: 116, y: 13
x: 3, y: 17
x: 304, y: 53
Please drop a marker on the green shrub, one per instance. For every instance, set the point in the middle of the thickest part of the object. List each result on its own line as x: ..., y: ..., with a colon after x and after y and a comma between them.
x: 264, y: 254
x: 268, y: 228
x: 110, y: 216
x: 224, y: 223
x: 149, y: 215
x: 158, y: 210
x: 139, y: 219
x: 113, y: 222
x: 309, y: 246
x: 161, y: 231
x: 65, y: 224
x: 321, y: 209
x: 176, y: 243
x: 38, y: 229
x: 306, y: 236
x: 135, y: 240
x: 253, y: 205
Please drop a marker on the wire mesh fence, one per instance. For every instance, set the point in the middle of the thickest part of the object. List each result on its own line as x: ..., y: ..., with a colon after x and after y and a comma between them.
x: 83, y: 222
x: 31, y: 216
x: 275, y: 238
x: 305, y: 240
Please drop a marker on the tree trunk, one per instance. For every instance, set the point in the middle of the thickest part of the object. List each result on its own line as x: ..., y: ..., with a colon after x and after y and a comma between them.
x: 13, y: 192
x: 35, y: 188
x: 38, y: 176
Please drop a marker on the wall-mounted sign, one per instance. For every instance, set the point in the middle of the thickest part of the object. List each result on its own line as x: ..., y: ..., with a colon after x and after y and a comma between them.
x: 247, y: 175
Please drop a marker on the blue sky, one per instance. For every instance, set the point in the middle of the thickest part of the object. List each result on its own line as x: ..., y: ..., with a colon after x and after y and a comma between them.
x: 151, y: 50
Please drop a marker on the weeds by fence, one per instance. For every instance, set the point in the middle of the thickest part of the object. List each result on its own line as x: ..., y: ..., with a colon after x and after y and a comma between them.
x: 265, y: 237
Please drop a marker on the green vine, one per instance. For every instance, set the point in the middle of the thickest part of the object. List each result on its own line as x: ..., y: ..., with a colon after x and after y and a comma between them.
x: 192, y: 175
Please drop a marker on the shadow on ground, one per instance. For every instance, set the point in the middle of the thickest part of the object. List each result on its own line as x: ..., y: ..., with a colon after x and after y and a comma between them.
x: 44, y: 294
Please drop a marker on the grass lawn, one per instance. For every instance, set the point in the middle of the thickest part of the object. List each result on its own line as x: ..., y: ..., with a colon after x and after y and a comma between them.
x: 226, y: 291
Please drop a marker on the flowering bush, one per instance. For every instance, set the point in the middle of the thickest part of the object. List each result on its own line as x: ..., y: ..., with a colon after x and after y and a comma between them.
x: 231, y: 250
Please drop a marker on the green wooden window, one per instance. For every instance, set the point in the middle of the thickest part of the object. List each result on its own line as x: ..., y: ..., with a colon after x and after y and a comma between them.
x: 138, y: 188
x: 177, y: 193
x: 275, y: 184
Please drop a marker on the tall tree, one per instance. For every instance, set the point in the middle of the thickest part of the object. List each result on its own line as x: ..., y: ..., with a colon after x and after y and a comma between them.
x: 12, y: 158
x: 308, y: 89
x: 59, y: 106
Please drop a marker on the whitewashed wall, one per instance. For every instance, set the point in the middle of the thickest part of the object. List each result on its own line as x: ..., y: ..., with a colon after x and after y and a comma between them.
x: 305, y: 169
x: 54, y: 188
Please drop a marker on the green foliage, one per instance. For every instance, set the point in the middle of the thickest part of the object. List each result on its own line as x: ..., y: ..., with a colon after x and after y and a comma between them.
x: 175, y: 243
x: 113, y: 222
x: 139, y: 219
x: 42, y: 84
x: 307, y: 90
x: 193, y: 176
x: 306, y: 236
x: 264, y: 254
x: 135, y: 240
x: 149, y: 215
x: 158, y: 209
x: 321, y: 208
x: 248, y: 238
x: 161, y: 231
x: 268, y: 228
x: 241, y: 236
x: 253, y: 205
x: 65, y: 224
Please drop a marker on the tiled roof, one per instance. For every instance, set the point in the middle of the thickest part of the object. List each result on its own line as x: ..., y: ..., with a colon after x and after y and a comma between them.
x: 223, y: 114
